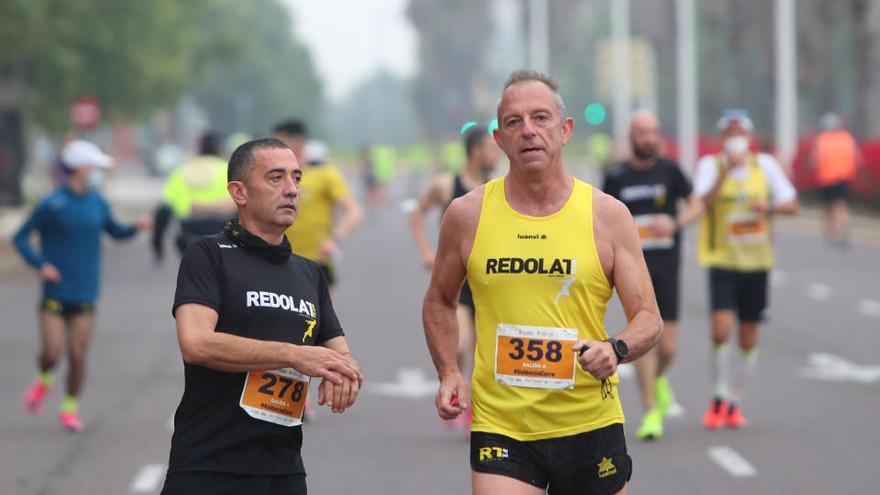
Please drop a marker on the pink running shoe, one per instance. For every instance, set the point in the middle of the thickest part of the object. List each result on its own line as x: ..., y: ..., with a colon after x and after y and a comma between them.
x: 34, y: 396
x: 71, y: 422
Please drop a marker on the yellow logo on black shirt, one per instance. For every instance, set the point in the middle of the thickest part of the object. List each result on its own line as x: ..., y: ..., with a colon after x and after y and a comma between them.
x: 606, y: 468
x: 311, y: 327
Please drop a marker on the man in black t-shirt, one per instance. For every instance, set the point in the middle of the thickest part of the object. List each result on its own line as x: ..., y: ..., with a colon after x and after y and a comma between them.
x: 254, y: 323
x: 651, y: 187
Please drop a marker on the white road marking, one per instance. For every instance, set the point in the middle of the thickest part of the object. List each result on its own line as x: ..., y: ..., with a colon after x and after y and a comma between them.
x: 626, y: 371
x: 819, y: 292
x: 831, y: 368
x: 675, y: 411
x: 732, y: 462
x: 778, y: 278
x: 409, y: 205
x: 148, y: 478
x: 411, y: 384
x: 869, y: 307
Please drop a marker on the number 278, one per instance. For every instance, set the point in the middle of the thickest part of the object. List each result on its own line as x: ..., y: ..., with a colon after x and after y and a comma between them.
x: 535, y: 350
x: 295, y: 395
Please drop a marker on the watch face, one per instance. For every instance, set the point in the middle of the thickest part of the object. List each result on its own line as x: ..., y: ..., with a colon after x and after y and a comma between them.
x: 621, y: 348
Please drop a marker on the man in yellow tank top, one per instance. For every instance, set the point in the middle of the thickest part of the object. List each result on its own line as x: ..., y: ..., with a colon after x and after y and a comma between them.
x: 317, y: 234
x: 741, y: 192
x: 541, y: 252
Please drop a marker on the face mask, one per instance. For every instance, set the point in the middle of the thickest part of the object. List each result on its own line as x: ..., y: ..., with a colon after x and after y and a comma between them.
x: 736, y: 145
x: 95, y: 179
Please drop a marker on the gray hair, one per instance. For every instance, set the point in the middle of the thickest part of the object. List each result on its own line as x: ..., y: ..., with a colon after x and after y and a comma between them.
x: 519, y: 76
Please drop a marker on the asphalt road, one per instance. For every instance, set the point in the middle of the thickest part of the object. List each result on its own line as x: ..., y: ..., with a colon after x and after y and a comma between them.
x: 812, y: 407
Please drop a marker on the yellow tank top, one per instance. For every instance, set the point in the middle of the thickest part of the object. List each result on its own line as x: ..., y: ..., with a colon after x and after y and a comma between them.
x: 733, y: 237
x: 322, y: 186
x: 538, y: 286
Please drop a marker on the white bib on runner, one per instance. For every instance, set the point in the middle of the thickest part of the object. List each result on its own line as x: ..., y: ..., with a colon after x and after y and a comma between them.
x: 745, y: 227
x: 649, y: 241
x: 276, y: 396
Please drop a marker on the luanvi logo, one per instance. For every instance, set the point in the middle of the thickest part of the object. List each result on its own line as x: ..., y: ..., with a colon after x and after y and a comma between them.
x: 227, y: 246
x: 607, y: 468
x: 555, y: 266
x: 532, y: 236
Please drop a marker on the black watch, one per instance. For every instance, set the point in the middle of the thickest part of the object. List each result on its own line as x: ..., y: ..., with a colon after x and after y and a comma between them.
x: 621, y: 350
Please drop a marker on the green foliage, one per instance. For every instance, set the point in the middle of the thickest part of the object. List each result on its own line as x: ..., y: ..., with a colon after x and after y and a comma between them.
x: 128, y: 54
x: 239, y: 59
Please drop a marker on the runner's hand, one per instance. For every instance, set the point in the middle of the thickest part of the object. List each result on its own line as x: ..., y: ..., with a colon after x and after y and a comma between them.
x: 145, y: 223
x: 49, y: 273
x: 328, y: 247
x: 353, y: 362
x: 338, y: 397
x: 452, y: 398
x: 597, y: 358
x: 662, y: 226
x: 761, y: 207
x: 325, y: 363
x: 428, y: 261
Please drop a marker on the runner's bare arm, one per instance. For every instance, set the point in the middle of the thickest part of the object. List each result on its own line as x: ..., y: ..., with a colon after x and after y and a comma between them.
x: 352, y: 216
x: 712, y: 195
x: 621, y: 255
x: 691, y: 212
x: 629, y: 275
x: 432, y: 197
x: 201, y: 344
x: 441, y: 299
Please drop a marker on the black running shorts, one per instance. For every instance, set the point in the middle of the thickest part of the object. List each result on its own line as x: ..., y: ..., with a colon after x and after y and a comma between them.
x: 839, y: 191
x: 666, y: 290
x: 591, y: 463
x: 66, y: 309
x: 742, y: 292
x: 213, y: 483
x: 466, y: 297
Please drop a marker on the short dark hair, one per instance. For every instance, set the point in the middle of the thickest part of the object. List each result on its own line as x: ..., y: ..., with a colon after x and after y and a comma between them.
x: 242, y: 159
x: 212, y: 143
x: 292, y: 127
x: 473, y: 139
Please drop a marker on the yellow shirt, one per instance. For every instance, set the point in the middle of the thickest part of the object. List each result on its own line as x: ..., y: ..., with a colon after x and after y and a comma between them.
x: 733, y: 237
x: 538, y: 286
x: 321, y: 188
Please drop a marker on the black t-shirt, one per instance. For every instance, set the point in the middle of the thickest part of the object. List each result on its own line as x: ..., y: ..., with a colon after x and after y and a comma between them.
x: 651, y: 191
x: 256, y: 299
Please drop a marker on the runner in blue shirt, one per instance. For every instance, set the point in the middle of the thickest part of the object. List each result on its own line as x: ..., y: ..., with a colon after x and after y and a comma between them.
x: 69, y: 222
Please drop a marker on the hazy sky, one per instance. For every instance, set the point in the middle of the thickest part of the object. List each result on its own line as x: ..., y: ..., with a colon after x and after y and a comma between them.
x: 352, y: 39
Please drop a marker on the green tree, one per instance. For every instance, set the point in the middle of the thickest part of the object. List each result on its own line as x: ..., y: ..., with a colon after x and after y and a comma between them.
x: 130, y: 55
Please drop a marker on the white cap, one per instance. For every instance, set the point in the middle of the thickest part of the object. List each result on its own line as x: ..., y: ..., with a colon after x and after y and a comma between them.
x: 735, y: 115
x: 315, y: 151
x: 831, y: 121
x: 79, y: 153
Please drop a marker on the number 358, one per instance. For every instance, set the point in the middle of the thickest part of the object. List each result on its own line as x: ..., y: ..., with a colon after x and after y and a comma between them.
x: 536, y: 350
